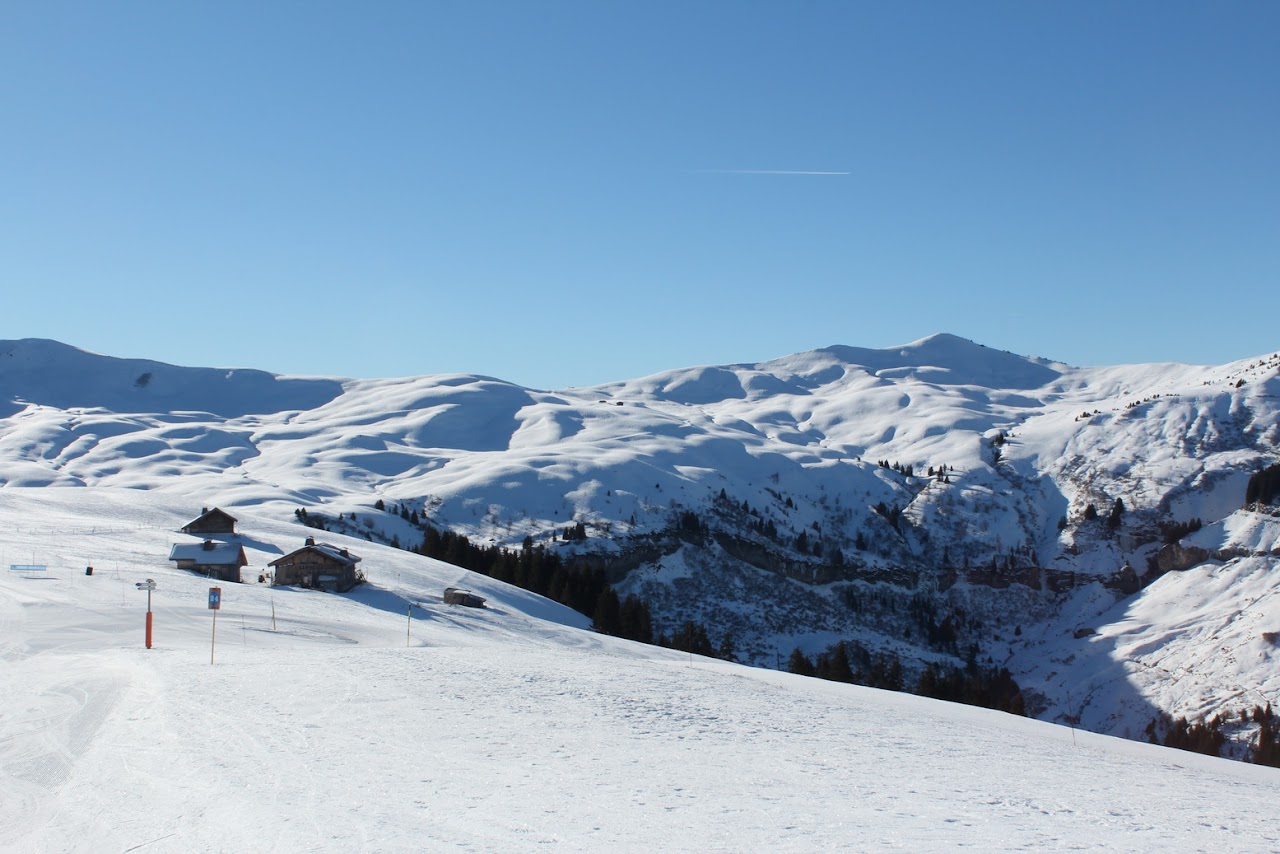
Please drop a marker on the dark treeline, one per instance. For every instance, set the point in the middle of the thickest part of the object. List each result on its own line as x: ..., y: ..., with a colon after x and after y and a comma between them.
x: 846, y: 661
x: 1263, y: 488
x: 1174, y: 531
x: 1208, y: 737
x: 538, y: 569
x: 989, y: 687
x: 581, y: 586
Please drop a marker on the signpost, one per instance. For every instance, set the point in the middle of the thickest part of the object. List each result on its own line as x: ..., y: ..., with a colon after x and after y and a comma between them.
x: 28, y: 567
x: 215, y: 602
x: 148, y: 585
x: 409, y: 630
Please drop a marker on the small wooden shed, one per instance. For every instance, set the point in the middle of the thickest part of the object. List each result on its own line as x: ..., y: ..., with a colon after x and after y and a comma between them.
x: 319, y: 565
x: 216, y: 560
x: 454, y: 596
x: 215, y: 521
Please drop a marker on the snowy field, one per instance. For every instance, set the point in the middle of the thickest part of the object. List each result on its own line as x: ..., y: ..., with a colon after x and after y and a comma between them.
x: 349, y: 726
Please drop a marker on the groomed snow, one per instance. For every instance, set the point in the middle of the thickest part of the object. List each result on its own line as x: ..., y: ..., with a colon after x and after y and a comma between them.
x: 350, y: 727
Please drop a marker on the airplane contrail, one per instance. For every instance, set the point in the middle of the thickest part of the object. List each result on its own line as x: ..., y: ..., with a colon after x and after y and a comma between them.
x: 772, y: 172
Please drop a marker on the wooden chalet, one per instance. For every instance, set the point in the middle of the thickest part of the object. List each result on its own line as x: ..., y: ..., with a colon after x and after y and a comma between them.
x: 318, y: 565
x: 213, y: 521
x: 222, y: 561
x: 454, y: 596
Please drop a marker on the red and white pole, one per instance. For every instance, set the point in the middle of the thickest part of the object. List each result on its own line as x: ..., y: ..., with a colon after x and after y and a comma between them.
x: 148, y: 586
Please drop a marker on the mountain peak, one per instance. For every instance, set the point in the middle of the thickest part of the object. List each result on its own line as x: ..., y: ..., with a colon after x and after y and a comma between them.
x: 946, y: 359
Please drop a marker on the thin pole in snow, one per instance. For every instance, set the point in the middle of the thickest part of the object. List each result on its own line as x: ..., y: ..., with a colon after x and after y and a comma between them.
x: 215, y: 602
x: 1071, y: 719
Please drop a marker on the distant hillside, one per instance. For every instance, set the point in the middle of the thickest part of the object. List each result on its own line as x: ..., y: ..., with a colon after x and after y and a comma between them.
x: 1085, y: 527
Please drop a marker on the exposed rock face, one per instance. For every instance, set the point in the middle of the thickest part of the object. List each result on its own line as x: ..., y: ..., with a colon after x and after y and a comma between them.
x: 1125, y: 582
x: 1176, y: 557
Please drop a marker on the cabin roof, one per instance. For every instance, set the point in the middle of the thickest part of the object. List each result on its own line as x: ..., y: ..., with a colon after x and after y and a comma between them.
x: 208, y: 554
x: 336, y: 553
x: 215, y: 513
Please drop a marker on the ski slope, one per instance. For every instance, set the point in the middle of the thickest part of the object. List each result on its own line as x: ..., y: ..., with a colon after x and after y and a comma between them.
x: 352, y: 724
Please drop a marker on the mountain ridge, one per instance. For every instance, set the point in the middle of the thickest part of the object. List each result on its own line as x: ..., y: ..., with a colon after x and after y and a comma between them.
x: 940, y: 468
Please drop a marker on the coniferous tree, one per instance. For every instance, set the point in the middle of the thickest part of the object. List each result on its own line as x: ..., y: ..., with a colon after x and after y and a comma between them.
x: 800, y: 663
x: 635, y: 621
x: 607, y: 615
x: 1117, y: 510
x: 834, y: 664
x: 1263, y: 488
x: 1266, y: 748
x: 692, y: 637
x: 727, y: 651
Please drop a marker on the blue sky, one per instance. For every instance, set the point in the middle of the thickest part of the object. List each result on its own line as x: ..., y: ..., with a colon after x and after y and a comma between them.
x: 562, y: 194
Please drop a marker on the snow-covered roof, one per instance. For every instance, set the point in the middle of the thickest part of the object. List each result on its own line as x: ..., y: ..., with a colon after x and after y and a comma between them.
x: 337, y: 553
x: 215, y: 512
x: 209, y: 553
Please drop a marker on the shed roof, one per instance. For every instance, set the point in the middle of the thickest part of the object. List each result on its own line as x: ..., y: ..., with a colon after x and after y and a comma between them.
x: 209, y: 553
x: 216, y: 513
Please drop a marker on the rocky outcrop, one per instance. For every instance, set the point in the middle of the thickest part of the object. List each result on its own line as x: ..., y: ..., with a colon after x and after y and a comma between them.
x: 1175, y: 557
x: 1125, y: 582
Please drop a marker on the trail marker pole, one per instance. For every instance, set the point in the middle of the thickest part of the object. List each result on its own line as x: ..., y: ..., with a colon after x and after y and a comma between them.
x: 1071, y: 719
x: 215, y: 602
x: 273, y: 614
x: 148, y: 585
x: 409, y: 627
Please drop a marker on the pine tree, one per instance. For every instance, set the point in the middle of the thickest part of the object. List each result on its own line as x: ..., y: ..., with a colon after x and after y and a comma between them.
x: 800, y: 663
x: 1117, y: 510
x: 834, y: 664
x: 608, y: 613
x: 635, y: 621
x: 727, y: 650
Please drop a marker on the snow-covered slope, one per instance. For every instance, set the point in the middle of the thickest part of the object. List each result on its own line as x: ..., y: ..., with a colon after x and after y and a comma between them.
x: 803, y: 536
x: 336, y: 723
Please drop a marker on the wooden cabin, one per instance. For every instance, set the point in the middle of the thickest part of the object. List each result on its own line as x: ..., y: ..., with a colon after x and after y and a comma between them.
x: 213, y: 521
x: 216, y: 560
x: 318, y: 565
x: 454, y: 596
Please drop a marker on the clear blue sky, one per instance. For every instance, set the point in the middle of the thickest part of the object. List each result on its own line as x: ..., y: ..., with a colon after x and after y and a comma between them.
x: 565, y: 193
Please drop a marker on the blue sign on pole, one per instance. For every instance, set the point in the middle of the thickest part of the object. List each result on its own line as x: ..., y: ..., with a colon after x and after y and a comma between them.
x: 215, y: 598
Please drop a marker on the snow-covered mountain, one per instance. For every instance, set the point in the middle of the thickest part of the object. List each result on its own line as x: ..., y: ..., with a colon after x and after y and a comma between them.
x: 1085, y: 527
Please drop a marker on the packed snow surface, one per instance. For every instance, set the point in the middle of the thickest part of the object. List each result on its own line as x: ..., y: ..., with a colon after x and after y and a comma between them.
x: 383, y: 720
